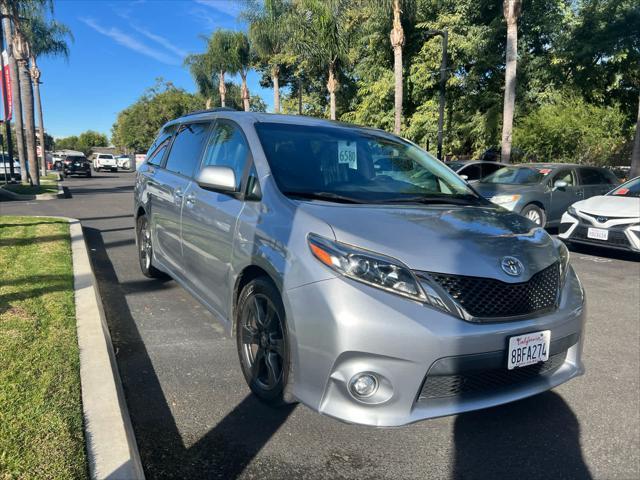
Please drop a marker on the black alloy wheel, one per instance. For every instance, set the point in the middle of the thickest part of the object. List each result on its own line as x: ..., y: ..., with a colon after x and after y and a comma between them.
x: 261, y: 337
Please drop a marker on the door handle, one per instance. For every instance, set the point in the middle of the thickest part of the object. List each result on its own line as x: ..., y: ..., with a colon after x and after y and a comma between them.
x: 190, y: 199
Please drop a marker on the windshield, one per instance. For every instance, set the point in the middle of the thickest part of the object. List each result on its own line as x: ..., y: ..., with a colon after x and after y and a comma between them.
x: 75, y: 159
x: 344, y: 164
x: 517, y: 175
x: 629, y: 189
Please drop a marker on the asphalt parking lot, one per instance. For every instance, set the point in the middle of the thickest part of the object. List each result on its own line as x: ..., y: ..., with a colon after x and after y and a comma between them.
x: 194, y: 418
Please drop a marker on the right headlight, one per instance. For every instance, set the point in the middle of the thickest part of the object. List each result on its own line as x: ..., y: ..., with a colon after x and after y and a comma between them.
x: 563, y: 253
x: 572, y: 211
x: 502, y: 199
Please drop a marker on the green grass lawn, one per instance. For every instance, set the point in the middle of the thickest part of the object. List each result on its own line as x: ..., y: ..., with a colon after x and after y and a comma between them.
x: 48, y: 184
x: 41, y: 432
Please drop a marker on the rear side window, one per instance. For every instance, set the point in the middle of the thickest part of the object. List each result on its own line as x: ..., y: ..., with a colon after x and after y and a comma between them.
x: 227, y: 147
x: 185, y: 152
x: 595, y: 176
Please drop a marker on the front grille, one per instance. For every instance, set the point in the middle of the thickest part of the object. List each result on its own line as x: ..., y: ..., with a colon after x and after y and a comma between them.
x: 616, y: 237
x: 489, y: 298
x: 471, y: 383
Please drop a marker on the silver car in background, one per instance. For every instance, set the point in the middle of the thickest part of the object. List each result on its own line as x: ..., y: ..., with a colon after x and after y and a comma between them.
x: 357, y: 274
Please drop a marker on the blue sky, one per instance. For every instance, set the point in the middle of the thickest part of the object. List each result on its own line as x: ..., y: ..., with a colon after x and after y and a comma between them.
x: 120, y: 47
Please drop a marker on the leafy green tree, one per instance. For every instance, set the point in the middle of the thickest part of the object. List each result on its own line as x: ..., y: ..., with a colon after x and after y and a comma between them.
x: 67, y: 143
x: 568, y: 129
x: 269, y: 34
x: 137, y: 125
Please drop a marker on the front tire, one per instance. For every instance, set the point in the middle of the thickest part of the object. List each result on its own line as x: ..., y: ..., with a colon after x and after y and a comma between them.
x: 262, y: 340
x: 536, y: 214
x: 145, y: 248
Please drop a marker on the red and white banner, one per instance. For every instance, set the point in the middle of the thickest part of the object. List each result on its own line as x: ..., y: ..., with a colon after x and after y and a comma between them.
x: 6, y: 92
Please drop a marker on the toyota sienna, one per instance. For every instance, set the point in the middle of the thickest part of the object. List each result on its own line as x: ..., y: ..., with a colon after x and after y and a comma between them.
x: 358, y: 274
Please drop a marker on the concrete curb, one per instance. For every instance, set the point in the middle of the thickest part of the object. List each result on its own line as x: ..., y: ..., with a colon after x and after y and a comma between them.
x: 42, y: 196
x: 111, y: 447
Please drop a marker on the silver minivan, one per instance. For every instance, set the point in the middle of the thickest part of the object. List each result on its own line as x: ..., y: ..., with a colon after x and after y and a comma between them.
x: 358, y: 274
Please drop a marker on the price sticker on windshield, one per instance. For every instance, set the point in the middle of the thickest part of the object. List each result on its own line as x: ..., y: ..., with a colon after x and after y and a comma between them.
x: 348, y: 153
x: 621, y: 191
x: 545, y: 171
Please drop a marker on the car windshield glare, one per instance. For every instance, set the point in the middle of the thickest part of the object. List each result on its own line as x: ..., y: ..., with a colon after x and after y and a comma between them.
x: 629, y: 189
x: 342, y: 164
x: 517, y: 175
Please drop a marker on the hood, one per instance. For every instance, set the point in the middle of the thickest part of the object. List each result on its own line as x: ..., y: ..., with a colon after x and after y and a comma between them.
x: 488, y: 190
x: 446, y: 239
x: 610, y: 206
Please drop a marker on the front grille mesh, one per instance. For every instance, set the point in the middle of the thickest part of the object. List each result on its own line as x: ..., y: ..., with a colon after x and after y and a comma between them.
x: 470, y: 383
x: 616, y: 237
x: 490, y: 298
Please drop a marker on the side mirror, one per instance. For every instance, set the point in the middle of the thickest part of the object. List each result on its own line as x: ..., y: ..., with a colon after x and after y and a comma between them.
x: 464, y: 177
x: 217, y: 178
x: 560, y: 185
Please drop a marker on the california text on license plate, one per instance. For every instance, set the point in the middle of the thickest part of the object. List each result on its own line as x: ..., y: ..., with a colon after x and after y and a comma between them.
x: 598, y: 233
x: 528, y: 349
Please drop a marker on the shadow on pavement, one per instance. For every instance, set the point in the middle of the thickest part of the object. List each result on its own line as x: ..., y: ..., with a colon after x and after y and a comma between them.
x: 538, y: 437
x: 227, y: 449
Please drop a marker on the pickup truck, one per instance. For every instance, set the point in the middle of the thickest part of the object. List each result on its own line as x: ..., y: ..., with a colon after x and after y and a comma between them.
x: 105, y: 161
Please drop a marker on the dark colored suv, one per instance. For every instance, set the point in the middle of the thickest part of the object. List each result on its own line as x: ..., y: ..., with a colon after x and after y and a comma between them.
x: 77, y: 165
x: 542, y: 192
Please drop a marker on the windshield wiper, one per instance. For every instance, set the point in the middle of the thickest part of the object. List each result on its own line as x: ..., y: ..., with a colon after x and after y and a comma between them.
x: 432, y: 200
x: 328, y: 196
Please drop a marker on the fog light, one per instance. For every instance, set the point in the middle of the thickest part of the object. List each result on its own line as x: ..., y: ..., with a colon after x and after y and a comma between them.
x: 363, y: 385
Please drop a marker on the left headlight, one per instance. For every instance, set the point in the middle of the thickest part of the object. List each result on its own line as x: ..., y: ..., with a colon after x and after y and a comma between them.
x: 572, y: 211
x: 367, y: 267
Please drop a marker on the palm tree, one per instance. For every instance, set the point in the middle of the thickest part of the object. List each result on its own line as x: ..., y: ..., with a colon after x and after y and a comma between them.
x: 44, y: 39
x: 242, y: 57
x: 397, y: 41
x: 269, y: 34
x: 202, y: 72
x: 221, y: 58
x: 511, y: 10
x: 15, y: 83
x: 323, y: 37
x: 635, y: 155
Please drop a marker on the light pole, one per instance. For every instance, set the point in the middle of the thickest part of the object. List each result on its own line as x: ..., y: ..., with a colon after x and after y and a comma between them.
x: 443, y: 83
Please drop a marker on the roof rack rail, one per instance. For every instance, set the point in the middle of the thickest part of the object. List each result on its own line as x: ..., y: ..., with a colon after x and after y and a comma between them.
x: 211, y: 110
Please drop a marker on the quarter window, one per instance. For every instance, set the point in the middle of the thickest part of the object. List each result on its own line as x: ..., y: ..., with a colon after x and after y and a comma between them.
x: 594, y: 176
x: 187, y: 148
x: 227, y: 147
x: 156, y: 152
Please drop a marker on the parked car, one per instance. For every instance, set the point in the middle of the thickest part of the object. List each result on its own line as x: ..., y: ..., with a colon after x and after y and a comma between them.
x: 364, y: 294
x: 123, y: 162
x: 611, y: 220
x: 104, y: 161
x: 543, y: 191
x: 5, y: 168
x: 77, y: 165
x: 474, y: 170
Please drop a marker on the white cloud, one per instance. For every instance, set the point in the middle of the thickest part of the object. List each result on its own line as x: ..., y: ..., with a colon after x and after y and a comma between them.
x: 231, y: 8
x: 131, y: 43
x: 165, y: 42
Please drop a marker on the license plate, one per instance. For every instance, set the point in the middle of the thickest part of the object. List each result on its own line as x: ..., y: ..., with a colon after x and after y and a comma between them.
x: 598, y: 233
x: 528, y: 349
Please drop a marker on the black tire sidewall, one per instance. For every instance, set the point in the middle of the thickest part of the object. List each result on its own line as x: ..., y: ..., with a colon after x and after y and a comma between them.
x: 541, y: 212
x: 151, y: 272
x: 264, y: 286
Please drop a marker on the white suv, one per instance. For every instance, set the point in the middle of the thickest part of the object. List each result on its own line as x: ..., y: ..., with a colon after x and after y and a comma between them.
x: 104, y: 161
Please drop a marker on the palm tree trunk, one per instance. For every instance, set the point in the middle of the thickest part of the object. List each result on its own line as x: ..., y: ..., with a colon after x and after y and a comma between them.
x: 635, y: 155
x: 275, y: 72
x: 29, y: 120
x: 332, y: 86
x: 35, y: 76
x: 397, y: 41
x: 245, y: 91
x: 511, y: 13
x: 222, y: 89
x: 17, y: 102
x: 208, y: 103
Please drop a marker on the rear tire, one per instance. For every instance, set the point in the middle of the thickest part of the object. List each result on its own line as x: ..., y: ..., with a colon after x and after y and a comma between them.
x: 262, y: 340
x: 145, y: 249
x: 536, y: 214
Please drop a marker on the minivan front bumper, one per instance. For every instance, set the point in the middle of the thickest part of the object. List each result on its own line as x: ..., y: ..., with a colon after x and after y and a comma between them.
x: 341, y: 328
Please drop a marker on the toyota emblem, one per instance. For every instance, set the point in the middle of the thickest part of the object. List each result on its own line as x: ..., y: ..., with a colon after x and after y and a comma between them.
x: 512, y: 266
